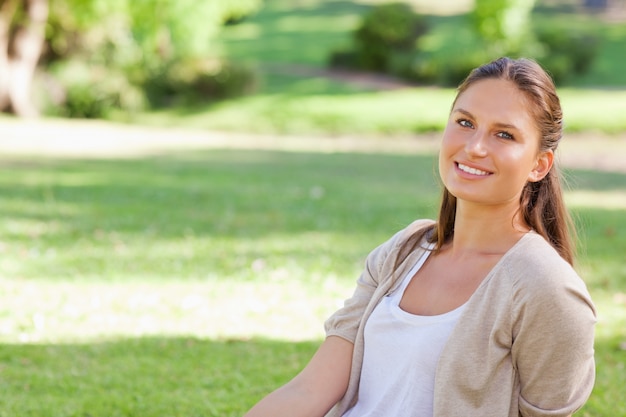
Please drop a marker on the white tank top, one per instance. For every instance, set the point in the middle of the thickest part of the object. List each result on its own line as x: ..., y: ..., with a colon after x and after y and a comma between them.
x: 400, y: 357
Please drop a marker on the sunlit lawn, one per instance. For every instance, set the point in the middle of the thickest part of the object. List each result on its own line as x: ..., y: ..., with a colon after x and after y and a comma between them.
x: 191, y: 283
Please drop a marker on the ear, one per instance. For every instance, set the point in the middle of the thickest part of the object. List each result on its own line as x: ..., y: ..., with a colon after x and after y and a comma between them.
x: 543, y: 164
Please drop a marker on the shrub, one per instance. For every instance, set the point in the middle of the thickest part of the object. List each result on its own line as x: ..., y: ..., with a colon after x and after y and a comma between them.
x: 446, y: 70
x: 93, y: 91
x: 387, y: 31
x: 457, y: 49
x: 235, y: 11
x: 109, y: 69
x: 103, y: 55
x: 194, y: 80
x: 89, y: 91
x: 567, y: 53
x: 345, y: 58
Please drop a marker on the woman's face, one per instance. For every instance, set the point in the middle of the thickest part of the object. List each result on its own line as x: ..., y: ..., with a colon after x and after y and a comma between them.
x: 490, y: 146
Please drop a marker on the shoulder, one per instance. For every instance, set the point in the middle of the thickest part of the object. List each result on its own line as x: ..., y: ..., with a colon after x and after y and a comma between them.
x: 534, y: 260
x: 403, y: 235
x: 383, y: 258
x: 410, y: 230
x: 541, y: 277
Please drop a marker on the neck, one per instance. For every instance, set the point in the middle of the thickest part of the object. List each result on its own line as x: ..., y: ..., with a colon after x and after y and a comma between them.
x: 486, y: 230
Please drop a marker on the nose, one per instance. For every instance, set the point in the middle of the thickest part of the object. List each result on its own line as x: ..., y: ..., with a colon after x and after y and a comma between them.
x: 476, y: 144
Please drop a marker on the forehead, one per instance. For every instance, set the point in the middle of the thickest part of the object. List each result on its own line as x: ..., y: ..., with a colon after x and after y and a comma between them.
x: 497, y: 100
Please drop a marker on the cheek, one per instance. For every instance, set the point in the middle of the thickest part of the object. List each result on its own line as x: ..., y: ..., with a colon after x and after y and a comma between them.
x: 440, y: 166
x: 447, y: 140
x: 520, y: 158
x: 520, y: 165
x: 451, y: 143
x: 444, y: 150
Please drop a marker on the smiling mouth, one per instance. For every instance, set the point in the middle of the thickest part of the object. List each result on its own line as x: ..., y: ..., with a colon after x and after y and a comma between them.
x: 471, y: 170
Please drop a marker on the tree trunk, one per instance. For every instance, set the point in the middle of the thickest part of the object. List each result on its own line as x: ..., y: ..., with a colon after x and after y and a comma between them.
x: 7, y: 12
x: 27, y: 48
x: 21, y: 45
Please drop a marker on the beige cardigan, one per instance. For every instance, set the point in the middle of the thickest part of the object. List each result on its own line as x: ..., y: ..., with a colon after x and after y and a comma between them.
x: 523, y: 346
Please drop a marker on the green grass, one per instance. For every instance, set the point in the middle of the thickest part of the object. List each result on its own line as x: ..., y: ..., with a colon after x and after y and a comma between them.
x: 64, y: 218
x: 286, y: 33
x: 382, y: 113
x: 192, y: 283
x: 290, y: 43
x: 370, y: 113
x: 155, y: 376
x: 592, y: 110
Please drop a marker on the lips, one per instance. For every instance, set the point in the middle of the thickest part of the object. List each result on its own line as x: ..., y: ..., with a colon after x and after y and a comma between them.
x: 472, y: 171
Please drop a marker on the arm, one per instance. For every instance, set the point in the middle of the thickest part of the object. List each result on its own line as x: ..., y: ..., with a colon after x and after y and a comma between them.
x: 324, y: 381
x: 314, y: 390
x: 554, y: 351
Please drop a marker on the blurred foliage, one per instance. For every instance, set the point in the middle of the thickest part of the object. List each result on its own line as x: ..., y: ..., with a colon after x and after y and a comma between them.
x: 505, y: 28
x: 385, y: 40
x: 124, y: 45
x: 157, y: 29
x: 568, y: 52
x: 504, y: 24
x: 392, y: 39
x: 118, y: 55
x: 386, y: 29
x: 192, y: 80
x: 92, y: 90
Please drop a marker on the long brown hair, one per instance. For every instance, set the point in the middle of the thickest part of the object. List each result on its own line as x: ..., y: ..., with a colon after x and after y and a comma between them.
x: 541, y: 203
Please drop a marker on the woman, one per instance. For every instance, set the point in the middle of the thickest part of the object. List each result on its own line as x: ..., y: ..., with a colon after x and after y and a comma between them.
x: 479, y: 313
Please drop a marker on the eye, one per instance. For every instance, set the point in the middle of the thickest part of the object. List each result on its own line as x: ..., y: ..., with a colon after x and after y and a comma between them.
x: 505, y: 135
x: 465, y: 123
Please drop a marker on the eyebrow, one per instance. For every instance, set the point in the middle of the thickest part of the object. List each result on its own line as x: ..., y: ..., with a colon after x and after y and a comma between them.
x: 471, y: 116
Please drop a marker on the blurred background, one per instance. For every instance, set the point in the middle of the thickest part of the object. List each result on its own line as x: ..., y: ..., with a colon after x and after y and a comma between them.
x: 289, y: 66
x: 189, y: 188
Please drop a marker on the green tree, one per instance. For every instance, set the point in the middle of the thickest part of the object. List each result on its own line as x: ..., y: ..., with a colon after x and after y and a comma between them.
x: 151, y: 31
x: 128, y: 38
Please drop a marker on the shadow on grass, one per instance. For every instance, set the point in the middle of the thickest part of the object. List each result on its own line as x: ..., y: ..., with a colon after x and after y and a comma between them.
x: 158, y: 376
x: 293, y: 32
x: 67, y: 217
x: 101, y: 209
x: 149, y: 216
x: 220, y: 192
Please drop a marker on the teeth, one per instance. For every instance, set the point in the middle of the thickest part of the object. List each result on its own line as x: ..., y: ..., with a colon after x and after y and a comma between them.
x: 471, y: 170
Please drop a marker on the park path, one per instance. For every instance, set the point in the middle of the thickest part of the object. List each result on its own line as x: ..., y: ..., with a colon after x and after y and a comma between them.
x: 59, y: 138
